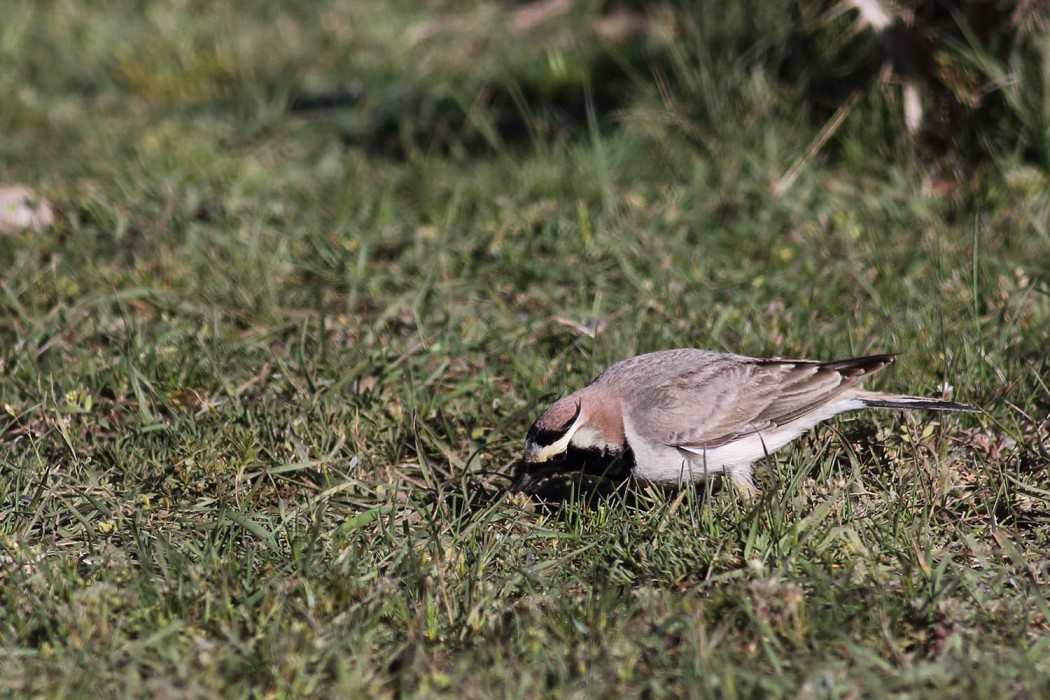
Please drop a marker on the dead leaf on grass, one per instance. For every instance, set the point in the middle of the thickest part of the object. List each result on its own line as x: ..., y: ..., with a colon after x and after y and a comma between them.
x: 23, y: 209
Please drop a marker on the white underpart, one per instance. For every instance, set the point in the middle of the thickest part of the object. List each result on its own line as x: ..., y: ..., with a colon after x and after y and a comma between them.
x: 658, y: 462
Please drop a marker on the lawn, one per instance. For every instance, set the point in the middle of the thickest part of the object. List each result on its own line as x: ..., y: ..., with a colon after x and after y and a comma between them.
x: 315, y: 268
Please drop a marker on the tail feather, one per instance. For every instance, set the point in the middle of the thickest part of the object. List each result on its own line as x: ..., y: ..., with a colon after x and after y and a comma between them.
x: 923, y: 403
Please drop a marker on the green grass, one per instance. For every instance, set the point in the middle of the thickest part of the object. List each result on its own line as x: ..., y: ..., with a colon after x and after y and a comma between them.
x: 264, y: 379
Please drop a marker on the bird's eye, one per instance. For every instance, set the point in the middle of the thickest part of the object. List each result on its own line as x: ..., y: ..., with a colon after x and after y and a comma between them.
x: 560, y: 457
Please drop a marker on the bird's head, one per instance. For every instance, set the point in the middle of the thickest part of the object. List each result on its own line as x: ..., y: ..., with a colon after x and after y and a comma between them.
x: 571, y: 435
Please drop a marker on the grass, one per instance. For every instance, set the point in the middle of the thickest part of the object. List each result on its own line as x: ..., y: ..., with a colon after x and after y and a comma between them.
x: 264, y: 379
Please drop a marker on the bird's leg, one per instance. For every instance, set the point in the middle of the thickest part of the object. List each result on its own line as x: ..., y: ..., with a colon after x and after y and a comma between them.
x: 743, y: 483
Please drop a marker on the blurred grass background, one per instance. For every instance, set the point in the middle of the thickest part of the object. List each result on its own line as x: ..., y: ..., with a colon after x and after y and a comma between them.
x: 315, y: 267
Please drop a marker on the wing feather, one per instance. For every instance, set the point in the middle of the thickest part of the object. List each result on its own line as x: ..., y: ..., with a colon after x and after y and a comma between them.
x: 729, y: 397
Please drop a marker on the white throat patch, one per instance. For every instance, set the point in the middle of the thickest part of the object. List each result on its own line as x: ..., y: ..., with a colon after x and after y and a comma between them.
x: 584, y: 437
x: 542, y: 453
x: 589, y: 436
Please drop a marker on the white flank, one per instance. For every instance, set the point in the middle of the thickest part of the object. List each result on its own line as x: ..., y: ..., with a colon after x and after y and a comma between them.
x: 662, y: 463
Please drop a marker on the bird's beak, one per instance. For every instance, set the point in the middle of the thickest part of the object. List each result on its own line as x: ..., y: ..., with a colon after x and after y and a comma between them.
x: 523, y: 483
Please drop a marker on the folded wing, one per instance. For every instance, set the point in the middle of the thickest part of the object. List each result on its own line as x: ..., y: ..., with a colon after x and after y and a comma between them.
x: 704, y: 409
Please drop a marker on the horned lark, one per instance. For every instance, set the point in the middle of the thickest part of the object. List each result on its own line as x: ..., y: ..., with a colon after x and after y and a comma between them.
x: 688, y: 415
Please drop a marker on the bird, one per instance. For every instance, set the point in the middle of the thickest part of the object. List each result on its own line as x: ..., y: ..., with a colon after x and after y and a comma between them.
x: 686, y: 415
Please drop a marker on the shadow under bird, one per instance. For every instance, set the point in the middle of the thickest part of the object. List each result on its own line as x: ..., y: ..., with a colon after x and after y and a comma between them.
x: 684, y: 416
